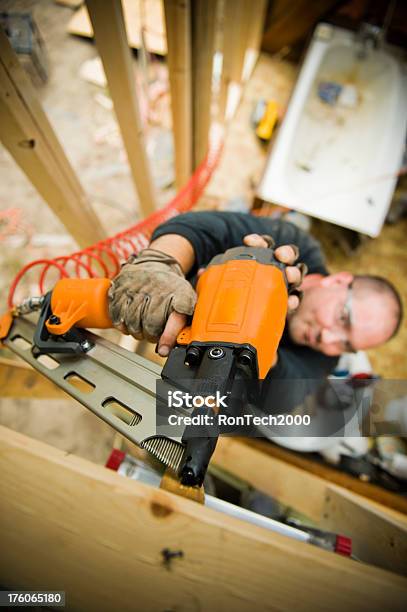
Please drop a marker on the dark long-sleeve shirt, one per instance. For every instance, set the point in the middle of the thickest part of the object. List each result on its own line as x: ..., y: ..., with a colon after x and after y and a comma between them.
x: 211, y: 233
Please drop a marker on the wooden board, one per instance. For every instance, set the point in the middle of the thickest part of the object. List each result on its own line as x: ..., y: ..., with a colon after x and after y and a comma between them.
x: 379, y: 535
x: 178, y: 28
x: 291, y: 22
x: 70, y: 3
x: 230, y: 43
x: 330, y: 474
x: 68, y: 524
x: 272, y: 476
x: 376, y: 536
x: 27, y: 134
x: 152, y: 19
x: 242, y: 26
x: 19, y: 381
x: 110, y: 34
x: 204, y: 15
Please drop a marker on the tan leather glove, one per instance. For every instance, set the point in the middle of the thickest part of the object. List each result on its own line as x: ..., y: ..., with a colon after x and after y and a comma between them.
x: 147, y: 289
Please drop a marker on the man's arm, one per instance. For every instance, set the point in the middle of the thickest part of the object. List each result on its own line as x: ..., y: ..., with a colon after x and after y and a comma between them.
x: 178, y: 247
x: 195, y: 238
x: 189, y: 243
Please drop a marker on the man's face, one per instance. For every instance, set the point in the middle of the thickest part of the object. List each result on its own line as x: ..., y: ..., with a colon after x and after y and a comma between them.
x: 333, y: 319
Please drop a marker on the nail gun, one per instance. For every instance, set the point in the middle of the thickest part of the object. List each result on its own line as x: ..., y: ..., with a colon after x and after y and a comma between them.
x: 233, y: 336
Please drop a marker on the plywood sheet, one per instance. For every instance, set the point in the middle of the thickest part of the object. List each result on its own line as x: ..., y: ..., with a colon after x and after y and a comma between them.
x: 149, y: 14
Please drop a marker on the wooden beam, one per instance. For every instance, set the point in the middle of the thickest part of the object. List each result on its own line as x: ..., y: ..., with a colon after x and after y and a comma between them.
x: 89, y: 522
x: 376, y: 536
x: 257, y: 21
x: 254, y: 460
x: 153, y: 21
x: 20, y: 382
x: 256, y: 18
x: 27, y: 134
x: 238, y: 20
x: 204, y: 17
x: 229, y: 43
x: 178, y: 26
x: 11, y: 361
x: 111, y: 39
x: 284, y: 482
x: 240, y: 25
x: 290, y: 23
x: 71, y: 3
x: 334, y: 476
x: 379, y: 535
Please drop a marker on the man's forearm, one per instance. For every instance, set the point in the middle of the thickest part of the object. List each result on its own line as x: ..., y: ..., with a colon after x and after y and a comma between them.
x: 209, y: 233
x: 178, y: 247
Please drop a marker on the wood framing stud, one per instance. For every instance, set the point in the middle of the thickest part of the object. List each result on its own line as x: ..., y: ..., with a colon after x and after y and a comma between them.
x: 376, y: 537
x: 257, y: 17
x: 330, y: 474
x: 158, y: 549
x: 203, y: 15
x: 178, y: 27
x: 242, y: 23
x: 111, y: 39
x: 379, y: 535
x: 21, y: 382
x: 27, y: 134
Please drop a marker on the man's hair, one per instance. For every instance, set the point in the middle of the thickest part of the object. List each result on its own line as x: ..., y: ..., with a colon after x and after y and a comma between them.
x: 380, y: 285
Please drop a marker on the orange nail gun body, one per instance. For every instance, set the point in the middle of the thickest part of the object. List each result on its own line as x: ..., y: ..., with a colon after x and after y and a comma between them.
x: 233, y: 337
x: 242, y: 299
x: 231, y: 343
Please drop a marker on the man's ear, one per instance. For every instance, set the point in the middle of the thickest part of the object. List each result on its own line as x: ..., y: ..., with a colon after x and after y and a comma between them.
x: 339, y: 279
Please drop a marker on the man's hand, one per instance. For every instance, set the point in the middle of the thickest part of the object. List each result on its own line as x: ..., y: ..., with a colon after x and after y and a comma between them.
x: 150, y: 299
x: 287, y: 254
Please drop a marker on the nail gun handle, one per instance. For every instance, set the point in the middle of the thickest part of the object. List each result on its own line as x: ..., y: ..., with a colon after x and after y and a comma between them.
x: 242, y: 300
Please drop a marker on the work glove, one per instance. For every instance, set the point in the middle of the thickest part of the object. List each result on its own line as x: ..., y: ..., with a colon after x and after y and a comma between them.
x: 287, y: 254
x: 148, y: 288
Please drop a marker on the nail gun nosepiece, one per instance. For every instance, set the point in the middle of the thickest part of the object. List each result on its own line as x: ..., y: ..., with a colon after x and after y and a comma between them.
x: 198, y: 453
